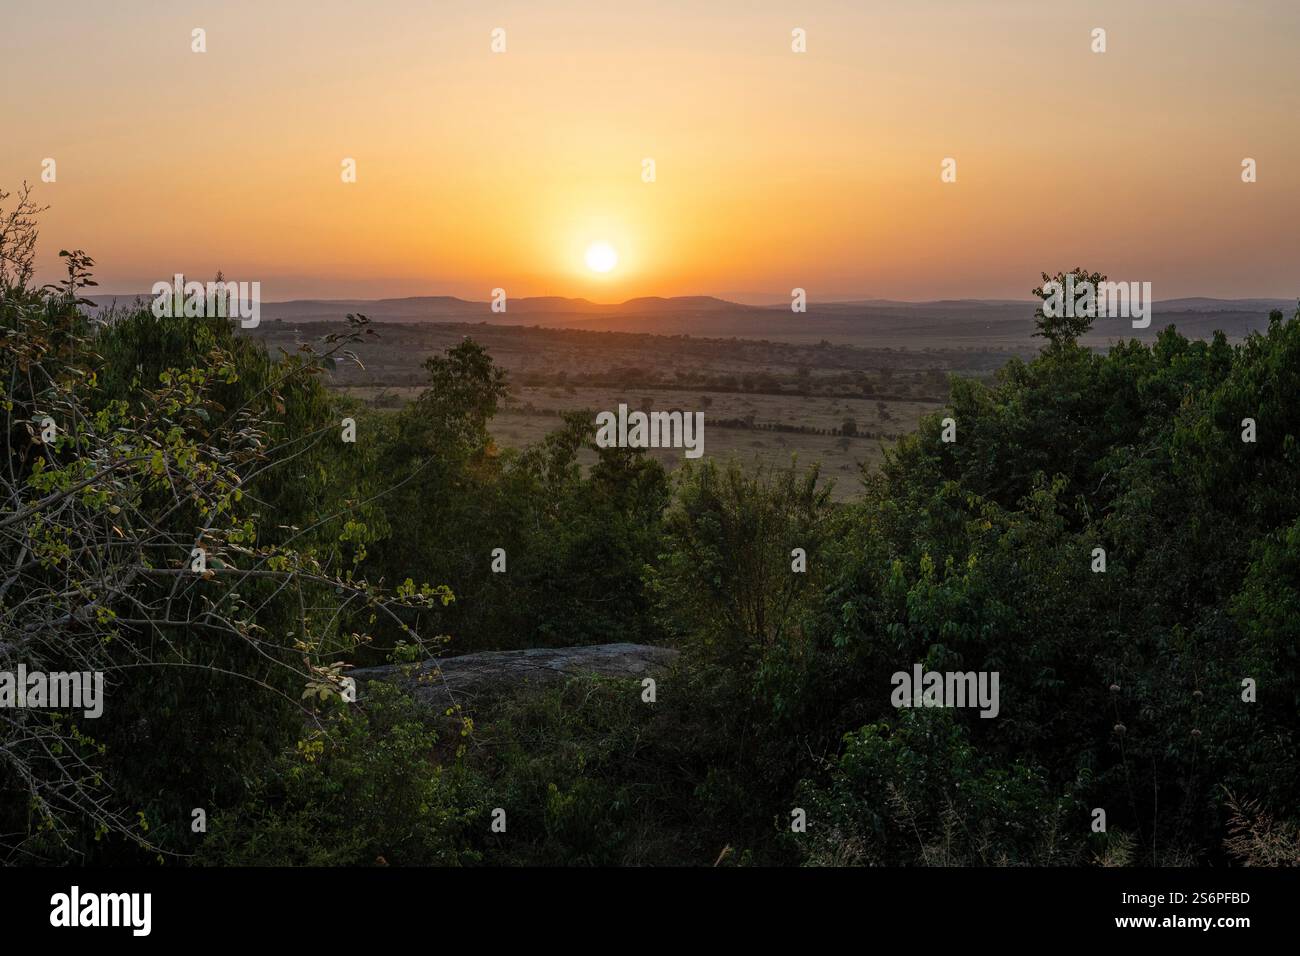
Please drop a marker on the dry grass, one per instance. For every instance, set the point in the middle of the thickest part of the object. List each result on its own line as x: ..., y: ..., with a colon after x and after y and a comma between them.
x: 1256, y: 839
x: 842, y: 458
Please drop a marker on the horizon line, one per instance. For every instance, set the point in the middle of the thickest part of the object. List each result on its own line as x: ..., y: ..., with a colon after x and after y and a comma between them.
x: 774, y: 299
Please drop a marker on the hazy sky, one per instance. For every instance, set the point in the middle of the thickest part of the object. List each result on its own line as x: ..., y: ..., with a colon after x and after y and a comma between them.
x: 774, y: 169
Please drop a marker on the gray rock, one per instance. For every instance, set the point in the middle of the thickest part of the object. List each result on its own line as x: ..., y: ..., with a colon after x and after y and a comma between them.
x: 461, y: 680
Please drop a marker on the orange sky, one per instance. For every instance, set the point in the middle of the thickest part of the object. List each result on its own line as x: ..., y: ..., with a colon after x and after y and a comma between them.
x: 774, y: 169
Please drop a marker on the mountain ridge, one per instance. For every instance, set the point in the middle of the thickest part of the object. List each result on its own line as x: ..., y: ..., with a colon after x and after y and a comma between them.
x: 447, y: 304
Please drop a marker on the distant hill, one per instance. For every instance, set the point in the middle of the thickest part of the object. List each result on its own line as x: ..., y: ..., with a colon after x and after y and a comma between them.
x: 684, y: 303
x: 960, y: 323
x: 429, y: 306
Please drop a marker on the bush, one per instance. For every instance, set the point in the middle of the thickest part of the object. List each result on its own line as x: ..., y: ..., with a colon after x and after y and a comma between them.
x: 374, y: 784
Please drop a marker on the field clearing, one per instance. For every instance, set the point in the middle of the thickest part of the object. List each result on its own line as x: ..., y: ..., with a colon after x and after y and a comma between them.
x: 841, y: 457
x: 822, y: 412
x: 890, y: 418
x: 770, y: 449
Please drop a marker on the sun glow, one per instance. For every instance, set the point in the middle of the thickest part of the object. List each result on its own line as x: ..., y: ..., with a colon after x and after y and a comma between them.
x: 601, y: 257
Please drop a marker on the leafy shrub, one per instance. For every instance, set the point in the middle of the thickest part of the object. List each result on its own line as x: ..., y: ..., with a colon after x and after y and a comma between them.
x: 375, y: 784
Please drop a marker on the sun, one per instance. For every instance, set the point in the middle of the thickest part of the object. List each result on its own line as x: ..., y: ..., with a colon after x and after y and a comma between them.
x: 601, y: 257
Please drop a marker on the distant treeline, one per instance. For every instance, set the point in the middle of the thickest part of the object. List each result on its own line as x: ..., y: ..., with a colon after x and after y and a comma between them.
x: 887, y: 385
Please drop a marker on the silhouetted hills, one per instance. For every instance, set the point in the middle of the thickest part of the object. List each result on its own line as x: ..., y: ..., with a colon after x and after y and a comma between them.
x: 962, y: 323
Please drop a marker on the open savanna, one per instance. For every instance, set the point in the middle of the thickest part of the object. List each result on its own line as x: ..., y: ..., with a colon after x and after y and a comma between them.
x: 764, y: 402
x: 751, y: 428
x: 536, y: 355
x: 771, y: 385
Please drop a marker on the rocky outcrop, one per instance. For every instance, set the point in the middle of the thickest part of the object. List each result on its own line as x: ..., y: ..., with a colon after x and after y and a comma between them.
x: 465, y: 679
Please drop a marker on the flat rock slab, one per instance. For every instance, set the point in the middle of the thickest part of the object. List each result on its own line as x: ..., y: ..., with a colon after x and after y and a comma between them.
x: 447, y: 680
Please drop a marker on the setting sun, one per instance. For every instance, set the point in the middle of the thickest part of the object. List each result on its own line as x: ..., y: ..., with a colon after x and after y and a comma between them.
x: 601, y: 257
